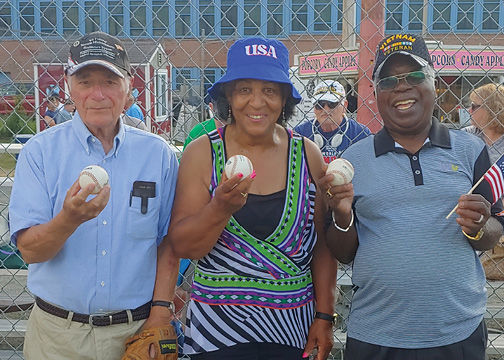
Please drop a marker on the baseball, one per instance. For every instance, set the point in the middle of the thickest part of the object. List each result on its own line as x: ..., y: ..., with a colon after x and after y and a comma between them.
x: 342, y: 171
x: 93, y: 174
x: 238, y: 164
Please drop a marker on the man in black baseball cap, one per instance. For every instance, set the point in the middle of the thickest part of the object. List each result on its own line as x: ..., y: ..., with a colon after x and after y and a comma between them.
x: 93, y: 257
x: 405, y: 44
x: 418, y: 277
x: 99, y: 48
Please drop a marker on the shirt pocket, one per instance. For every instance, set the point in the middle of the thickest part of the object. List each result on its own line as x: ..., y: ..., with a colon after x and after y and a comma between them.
x: 143, y: 226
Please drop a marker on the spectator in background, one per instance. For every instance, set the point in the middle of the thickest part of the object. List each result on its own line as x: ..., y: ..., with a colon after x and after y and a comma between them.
x: 419, y: 286
x: 331, y: 129
x: 487, y: 119
x: 94, y: 260
x: 64, y: 112
x: 204, y: 127
x: 134, y: 109
x: 53, y: 104
x: 69, y: 106
x: 130, y: 119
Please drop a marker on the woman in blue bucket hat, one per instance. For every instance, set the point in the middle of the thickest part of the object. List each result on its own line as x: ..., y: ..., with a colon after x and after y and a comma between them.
x: 264, y: 284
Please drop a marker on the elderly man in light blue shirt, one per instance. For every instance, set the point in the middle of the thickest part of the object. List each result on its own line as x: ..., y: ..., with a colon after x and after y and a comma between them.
x: 93, y: 258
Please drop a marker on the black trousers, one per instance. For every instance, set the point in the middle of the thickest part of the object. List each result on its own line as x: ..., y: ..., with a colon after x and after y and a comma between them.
x: 472, y: 348
x: 253, y: 351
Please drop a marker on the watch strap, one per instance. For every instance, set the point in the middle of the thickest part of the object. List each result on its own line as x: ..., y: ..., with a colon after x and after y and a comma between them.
x: 167, y: 304
x: 324, y: 316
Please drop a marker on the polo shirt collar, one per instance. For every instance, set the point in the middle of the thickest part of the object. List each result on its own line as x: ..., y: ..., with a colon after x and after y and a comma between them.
x: 84, y: 135
x: 439, y: 135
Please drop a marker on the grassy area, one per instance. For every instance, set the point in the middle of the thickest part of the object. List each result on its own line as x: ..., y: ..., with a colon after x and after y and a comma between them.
x: 7, y: 165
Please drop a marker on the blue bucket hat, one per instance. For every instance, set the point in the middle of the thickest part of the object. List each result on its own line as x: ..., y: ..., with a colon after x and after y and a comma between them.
x: 256, y: 58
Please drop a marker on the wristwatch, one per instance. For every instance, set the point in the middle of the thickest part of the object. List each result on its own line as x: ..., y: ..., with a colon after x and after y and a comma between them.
x: 167, y: 304
x: 327, y: 317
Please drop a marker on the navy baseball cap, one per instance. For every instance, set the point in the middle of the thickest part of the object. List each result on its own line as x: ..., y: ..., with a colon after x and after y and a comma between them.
x: 99, y: 48
x: 256, y: 58
x: 405, y: 44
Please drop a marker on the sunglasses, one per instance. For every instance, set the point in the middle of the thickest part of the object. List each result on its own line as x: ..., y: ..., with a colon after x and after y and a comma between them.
x: 319, y: 105
x: 474, y: 106
x: 413, y: 78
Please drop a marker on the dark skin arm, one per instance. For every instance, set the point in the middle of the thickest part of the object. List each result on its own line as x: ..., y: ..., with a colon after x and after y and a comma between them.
x: 166, y: 280
x: 324, y: 267
x: 470, y: 208
x: 343, y: 245
x: 197, y: 219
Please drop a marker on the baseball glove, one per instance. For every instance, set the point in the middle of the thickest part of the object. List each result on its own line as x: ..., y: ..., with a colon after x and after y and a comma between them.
x: 163, y: 340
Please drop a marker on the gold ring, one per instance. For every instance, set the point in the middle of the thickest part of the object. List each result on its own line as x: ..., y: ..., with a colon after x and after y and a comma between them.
x: 328, y: 193
x: 244, y: 194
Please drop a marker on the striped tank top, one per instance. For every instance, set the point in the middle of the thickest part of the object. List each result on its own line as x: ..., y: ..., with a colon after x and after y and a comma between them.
x: 257, y: 290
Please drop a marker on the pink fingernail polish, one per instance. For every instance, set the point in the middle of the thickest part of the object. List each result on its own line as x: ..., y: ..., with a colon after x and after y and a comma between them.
x: 305, y: 355
x: 240, y: 175
x: 253, y: 174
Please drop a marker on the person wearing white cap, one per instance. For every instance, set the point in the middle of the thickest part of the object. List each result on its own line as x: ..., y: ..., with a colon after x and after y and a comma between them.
x: 331, y: 129
x: 92, y: 258
x: 264, y: 283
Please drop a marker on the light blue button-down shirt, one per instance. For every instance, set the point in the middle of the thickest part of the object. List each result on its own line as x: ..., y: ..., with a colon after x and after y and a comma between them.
x: 109, y: 262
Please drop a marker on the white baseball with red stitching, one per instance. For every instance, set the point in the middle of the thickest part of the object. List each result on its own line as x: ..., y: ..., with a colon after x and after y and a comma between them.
x: 238, y: 164
x: 342, y: 171
x: 93, y: 174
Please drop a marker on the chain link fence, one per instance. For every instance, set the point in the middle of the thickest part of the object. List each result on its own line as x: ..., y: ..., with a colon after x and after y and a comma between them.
x: 178, y: 50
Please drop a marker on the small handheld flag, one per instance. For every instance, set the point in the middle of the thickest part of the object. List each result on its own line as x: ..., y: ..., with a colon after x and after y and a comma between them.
x: 495, y: 178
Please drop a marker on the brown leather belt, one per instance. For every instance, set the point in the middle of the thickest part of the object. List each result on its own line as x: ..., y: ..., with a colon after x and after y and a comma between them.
x: 121, y: 317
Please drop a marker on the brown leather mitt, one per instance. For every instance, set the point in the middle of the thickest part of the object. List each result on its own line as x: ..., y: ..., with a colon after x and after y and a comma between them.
x: 163, y: 340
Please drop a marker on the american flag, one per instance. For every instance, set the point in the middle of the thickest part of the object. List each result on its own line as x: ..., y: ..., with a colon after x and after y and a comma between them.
x: 495, y: 177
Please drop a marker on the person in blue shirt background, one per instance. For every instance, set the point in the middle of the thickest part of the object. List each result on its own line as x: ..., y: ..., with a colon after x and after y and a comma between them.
x: 134, y: 110
x: 331, y: 129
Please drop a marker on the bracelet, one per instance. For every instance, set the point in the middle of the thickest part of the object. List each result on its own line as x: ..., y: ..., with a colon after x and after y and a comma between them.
x: 327, y: 317
x: 167, y: 304
x: 478, y: 236
x: 349, y: 225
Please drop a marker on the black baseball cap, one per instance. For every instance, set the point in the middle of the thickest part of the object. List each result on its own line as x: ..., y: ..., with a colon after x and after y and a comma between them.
x: 405, y: 44
x: 98, y: 48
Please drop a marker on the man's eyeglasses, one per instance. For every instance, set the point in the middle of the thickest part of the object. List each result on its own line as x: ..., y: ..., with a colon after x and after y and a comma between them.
x: 413, y: 78
x: 475, y: 107
x: 319, y: 105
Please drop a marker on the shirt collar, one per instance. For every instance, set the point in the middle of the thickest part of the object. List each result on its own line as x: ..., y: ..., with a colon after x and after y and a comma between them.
x: 85, y: 136
x: 439, y: 136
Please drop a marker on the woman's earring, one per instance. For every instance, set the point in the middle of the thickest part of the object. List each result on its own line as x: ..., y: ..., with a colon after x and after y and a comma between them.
x: 229, y: 115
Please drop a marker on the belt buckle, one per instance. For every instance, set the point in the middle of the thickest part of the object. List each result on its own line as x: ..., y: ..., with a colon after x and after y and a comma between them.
x: 92, y: 316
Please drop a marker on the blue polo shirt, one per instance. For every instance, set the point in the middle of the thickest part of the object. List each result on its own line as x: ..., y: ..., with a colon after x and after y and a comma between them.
x: 109, y: 262
x: 350, y: 130
x: 419, y: 283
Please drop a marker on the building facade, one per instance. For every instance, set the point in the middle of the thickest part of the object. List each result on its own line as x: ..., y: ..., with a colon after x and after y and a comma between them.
x: 195, y: 34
